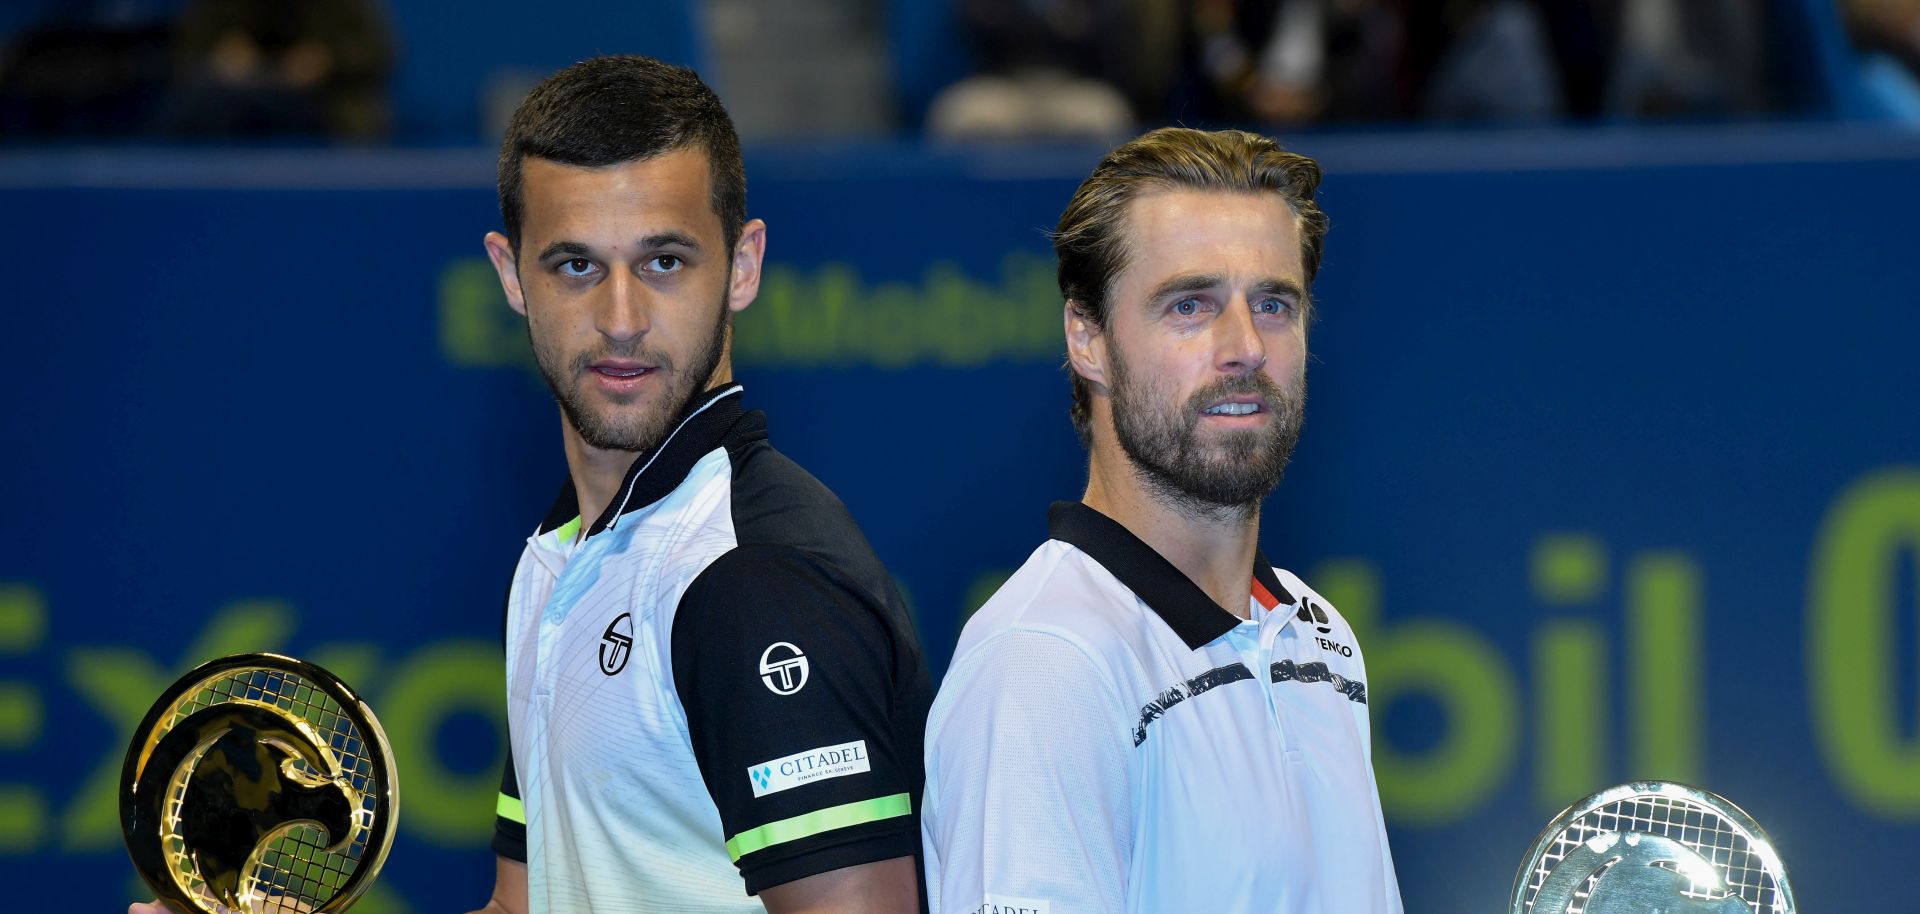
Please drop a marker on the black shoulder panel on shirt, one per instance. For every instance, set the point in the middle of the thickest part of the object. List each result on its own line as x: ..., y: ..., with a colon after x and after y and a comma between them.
x: 795, y: 647
x: 509, y: 837
x: 777, y: 502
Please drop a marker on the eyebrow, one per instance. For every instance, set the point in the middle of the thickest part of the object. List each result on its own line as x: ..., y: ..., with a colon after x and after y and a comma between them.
x: 651, y: 242
x: 1196, y: 282
x: 669, y: 238
x: 1277, y: 286
x: 570, y: 248
x: 1184, y: 283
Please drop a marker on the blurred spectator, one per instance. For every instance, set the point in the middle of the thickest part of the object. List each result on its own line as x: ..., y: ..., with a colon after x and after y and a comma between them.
x: 220, y: 69
x: 80, y: 76
x: 1886, y: 33
x: 1289, y: 62
x: 1699, y: 58
x: 1498, y: 66
x: 250, y: 68
x: 1886, y: 27
x: 1059, y: 69
x: 1296, y: 61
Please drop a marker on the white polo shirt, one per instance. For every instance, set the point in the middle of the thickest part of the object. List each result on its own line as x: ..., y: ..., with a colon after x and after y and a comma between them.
x: 1109, y: 739
x: 716, y: 690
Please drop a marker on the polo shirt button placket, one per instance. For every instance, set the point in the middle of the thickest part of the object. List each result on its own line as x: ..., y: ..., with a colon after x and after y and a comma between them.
x: 1274, y: 648
x: 1245, y: 639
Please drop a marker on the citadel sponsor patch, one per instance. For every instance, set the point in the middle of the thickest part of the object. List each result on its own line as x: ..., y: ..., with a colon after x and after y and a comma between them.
x: 809, y: 766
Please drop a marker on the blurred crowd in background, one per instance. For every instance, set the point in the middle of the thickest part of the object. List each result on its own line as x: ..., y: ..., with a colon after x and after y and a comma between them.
x: 971, y: 70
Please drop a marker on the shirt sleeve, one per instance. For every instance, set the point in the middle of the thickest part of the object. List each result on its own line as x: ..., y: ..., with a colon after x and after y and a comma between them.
x: 805, y: 733
x: 510, y: 818
x: 1027, y: 803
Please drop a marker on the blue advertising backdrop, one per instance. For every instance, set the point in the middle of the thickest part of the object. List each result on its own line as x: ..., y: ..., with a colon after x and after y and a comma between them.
x: 1611, y: 456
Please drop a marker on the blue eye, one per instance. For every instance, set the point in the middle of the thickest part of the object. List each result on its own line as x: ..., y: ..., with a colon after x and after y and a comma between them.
x: 1186, y: 307
x: 1271, y: 306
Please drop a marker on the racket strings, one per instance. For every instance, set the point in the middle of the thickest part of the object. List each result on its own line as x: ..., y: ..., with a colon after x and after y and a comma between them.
x: 1718, y: 841
x: 297, y: 872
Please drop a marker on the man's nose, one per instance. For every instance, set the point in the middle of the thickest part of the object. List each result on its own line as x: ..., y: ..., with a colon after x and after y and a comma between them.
x: 1238, y: 346
x: 624, y: 312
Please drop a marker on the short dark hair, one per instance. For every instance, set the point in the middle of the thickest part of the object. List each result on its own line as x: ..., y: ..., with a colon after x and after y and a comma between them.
x: 1091, y: 241
x: 610, y: 110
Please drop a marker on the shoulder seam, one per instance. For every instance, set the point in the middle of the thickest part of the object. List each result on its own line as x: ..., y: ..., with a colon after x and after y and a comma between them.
x: 1048, y: 632
x: 1026, y: 603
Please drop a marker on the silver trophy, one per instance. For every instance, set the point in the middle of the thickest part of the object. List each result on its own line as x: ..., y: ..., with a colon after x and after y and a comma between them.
x: 1652, y: 846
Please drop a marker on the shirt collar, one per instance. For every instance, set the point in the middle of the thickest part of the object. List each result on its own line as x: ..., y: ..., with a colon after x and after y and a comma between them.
x: 711, y: 420
x: 1169, y: 593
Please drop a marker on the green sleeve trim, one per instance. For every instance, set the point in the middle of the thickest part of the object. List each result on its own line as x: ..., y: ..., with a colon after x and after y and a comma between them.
x: 813, y: 823
x: 511, y: 809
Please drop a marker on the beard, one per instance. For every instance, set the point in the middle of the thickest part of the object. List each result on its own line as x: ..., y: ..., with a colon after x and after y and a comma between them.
x: 619, y: 426
x: 1232, y: 472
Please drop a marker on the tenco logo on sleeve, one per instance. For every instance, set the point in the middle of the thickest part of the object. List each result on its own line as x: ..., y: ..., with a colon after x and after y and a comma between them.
x: 1311, y: 613
x: 616, y: 645
x: 783, y: 668
x: 809, y: 766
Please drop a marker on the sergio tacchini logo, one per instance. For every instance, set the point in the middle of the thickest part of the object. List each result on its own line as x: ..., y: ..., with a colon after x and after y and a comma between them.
x: 616, y: 644
x: 783, y: 668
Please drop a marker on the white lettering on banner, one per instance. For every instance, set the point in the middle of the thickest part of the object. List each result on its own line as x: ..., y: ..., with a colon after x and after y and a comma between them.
x: 809, y: 766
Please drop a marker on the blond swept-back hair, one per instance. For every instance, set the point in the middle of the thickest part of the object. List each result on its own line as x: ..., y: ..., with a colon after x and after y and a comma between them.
x: 1091, y: 240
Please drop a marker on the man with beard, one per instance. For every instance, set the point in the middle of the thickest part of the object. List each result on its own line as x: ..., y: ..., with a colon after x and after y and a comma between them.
x: 714, y: 689
x: 713, y: 686
x: 1148, y: 716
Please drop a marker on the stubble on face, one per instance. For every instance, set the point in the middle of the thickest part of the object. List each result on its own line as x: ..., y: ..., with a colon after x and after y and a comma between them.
x: 622, y: 423
x: 1230, y: 471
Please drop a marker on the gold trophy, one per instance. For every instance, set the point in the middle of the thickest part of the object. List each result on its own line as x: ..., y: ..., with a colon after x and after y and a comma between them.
x: 1652, y: 846
x: 259, y: 784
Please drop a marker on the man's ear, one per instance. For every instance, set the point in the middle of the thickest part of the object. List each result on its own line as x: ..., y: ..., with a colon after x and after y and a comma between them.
x: 500, y: 251
x: 748, y: 253
x: 1086, y: 346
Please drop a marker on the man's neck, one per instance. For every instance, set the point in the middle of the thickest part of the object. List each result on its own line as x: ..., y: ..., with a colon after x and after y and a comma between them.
x: 597, y: 474
x: 1213, y: 548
